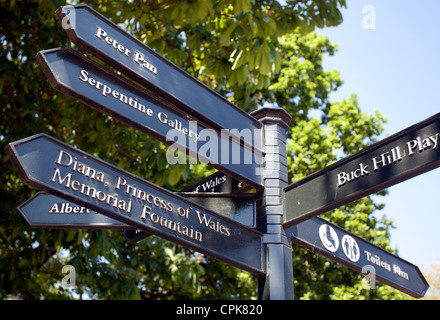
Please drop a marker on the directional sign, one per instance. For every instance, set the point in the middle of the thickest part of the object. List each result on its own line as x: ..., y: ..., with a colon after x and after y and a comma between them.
x: 45, y: 210
x: 71, y: 73
x: 94, y: 33
x: 219, y: 183
x: 320, y: 236
x: 55, y: 167
x: 404, y: 155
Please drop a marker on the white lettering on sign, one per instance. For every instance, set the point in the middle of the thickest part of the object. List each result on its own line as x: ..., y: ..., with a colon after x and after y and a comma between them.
x: 344, y: 177
x: 421, y: 145
x: 388, y: 158
x: 106, y: 90
x: 66, y: 208
x: 102, y: 34
x: 211, y: 184
x: 121, y: 195
x: 378, y: 261
x: 138, y: 57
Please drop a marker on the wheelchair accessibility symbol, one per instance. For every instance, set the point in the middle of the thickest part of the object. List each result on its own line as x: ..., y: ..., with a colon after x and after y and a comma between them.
x: 329, y: 238
x: 330, y: 241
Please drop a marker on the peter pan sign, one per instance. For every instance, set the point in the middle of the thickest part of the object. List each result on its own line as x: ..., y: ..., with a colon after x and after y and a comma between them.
x: 96, y: 34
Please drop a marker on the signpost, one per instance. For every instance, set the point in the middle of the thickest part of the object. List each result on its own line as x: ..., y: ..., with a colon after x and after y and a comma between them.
x: 217, y: 216
x: 52, y: 166
x: 399, y: 157
x: 329, y: 240
x: 79, y: 77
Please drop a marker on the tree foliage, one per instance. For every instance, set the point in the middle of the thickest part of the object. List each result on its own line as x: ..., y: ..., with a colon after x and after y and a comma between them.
x: 254, y: 52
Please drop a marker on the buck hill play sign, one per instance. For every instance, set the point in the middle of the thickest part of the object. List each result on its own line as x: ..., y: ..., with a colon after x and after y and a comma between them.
x: 245, y: 214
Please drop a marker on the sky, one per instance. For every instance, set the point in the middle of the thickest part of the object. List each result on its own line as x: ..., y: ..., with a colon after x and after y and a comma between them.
x: 390, y: 57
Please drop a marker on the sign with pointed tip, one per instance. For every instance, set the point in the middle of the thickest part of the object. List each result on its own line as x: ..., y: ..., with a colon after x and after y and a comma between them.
x: 94, y: 33
x: 45, y: 210
x: 331, y: 241
x: 83, y: 79
x: 69, y: 173
x: 399, y: 157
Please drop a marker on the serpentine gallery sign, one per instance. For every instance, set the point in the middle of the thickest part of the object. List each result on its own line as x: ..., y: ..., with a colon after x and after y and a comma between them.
x: 245, y: 214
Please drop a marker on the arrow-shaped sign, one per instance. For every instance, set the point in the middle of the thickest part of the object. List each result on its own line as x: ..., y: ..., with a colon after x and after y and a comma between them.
x: 94, y: 33
x: 402, y: 156
x: 45, y: 210
x: 69, y: 173
x: 79, y: 77
x: 320, y: 236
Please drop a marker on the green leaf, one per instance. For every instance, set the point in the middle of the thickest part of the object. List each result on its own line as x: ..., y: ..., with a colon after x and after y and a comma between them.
x: 174, y: 176
x: 225, y: 37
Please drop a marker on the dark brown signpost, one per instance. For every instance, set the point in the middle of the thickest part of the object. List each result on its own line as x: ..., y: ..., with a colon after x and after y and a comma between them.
x: 217, y: 216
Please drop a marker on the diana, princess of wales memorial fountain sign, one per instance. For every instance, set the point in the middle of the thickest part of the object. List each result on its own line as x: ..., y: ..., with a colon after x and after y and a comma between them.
x: 52, y: 166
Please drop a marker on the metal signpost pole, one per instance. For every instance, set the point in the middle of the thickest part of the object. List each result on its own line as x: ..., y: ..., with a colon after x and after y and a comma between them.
x: 277, y: 284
